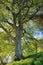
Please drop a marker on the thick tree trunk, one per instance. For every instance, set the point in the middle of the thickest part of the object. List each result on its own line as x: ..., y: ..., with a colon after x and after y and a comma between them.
x: 18, y: 50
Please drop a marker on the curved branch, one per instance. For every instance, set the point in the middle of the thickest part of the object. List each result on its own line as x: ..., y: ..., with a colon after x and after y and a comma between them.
x: 6, y: 31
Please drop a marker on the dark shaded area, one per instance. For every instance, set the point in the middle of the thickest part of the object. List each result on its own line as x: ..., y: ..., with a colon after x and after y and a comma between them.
x: 35, y: 56
x: 1, y: 62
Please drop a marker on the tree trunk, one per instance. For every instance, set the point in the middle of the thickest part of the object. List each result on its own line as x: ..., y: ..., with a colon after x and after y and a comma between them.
x: 18, y: 50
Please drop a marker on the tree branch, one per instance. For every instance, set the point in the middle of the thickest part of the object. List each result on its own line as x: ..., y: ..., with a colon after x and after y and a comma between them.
x: 14, y: 19
x: 28, y: 10
x: 10, y: 23
x: 37, y: 9
x: 33, y: 56
x: 6, y: 31
x: 30, y: 36
x: 5, y: 20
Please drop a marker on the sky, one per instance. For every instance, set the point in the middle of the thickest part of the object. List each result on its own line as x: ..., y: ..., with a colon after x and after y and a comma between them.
x: 38, y: 34
x: 1, y: 30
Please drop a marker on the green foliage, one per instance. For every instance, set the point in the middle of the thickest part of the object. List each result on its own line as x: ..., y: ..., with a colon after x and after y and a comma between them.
x: 22, y: 62
x: 6, y: 45
x: 13, y: 15
x: 29, y: 61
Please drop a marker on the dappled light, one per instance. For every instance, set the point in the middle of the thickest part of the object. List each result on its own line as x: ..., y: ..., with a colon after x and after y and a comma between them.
x: 21, y: 32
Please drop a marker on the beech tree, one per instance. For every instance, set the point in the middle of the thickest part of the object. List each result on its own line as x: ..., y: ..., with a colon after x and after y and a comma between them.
x: 13, y: 15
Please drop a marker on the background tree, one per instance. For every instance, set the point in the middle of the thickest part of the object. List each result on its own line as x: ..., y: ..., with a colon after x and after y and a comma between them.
x: 13, y: 15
